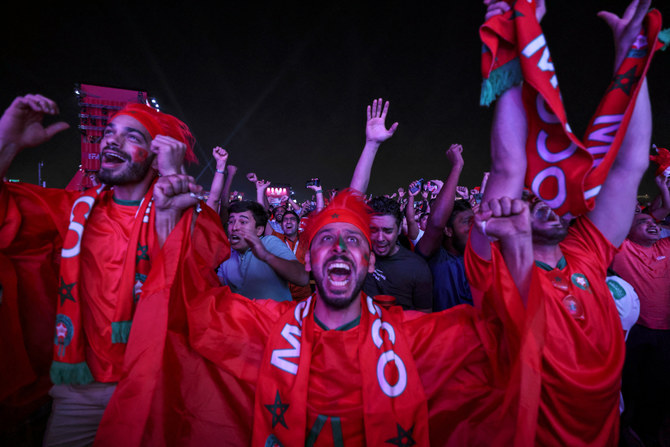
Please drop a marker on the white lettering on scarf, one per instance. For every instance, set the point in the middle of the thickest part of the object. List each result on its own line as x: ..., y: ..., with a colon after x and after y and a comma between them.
x: 537, y: 44
x: 291, y: 334
x: 279, y: 356
x: 77, y: 227
x: 388, y: 356
x: 604, y: 134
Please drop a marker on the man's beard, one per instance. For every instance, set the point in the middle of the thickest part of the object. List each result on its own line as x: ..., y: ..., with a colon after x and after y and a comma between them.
x: 549, y: 236
x: 339, y: 302
x: 133, y: 172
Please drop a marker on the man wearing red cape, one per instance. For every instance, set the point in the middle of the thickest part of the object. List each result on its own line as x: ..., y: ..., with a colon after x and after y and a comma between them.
x: 73, y: 264
x: 568, y: 332
x: 536, y: 361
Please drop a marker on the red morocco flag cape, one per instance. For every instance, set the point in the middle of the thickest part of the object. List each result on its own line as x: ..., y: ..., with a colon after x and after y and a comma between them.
x: 199, y: 367
x: 564, y: 171
x: 169, y: 394
x: 30, y: 220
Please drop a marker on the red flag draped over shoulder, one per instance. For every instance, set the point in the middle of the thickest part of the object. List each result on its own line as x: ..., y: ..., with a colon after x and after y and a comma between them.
x: 564, y: 171
x: 169, y: 394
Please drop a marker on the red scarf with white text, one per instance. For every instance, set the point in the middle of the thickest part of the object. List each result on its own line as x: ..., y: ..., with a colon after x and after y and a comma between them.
x: 69, y: 361
x: 564, y: 171
x: 393, y: 395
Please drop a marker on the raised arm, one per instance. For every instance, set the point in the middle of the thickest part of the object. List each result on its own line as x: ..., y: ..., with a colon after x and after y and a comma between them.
x: 509, y: 221
x: 412, y: 226
x: 443, y: 205
x: 661, y: 206
x: 230, y: 171
x: 221, y: 157
x: 291, y: 270
x: 318, y: 194
x: 615, y: 204
x: 261, y: 197
x: 508, y: 159
x: 21, y: 127
x: 375, y: 134
x: 509, y: 132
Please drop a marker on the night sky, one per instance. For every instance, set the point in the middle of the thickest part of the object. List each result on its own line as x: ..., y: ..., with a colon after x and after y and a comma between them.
x: 284, y: 86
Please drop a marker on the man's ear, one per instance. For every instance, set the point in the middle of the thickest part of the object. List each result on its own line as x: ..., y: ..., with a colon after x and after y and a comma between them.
x: 308, y: 264
x: 260, y: 231
x: 448, y: 231
x: 371, y: 265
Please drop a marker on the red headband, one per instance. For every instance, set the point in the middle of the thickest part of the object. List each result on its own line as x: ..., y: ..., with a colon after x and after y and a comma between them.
x: 662, y: 160
x: 158, y: 123
x: 347, y: 206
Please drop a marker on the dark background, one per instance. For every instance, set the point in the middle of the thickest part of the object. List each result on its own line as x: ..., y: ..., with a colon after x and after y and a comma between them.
x: 284, y: 86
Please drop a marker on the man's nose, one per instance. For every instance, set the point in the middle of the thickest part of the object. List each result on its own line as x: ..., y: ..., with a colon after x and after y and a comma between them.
x: 338, y: 245
x: 112, y: 138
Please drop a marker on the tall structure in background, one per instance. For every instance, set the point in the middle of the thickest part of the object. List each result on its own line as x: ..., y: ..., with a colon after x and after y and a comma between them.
x: 275, y: 193
x: 96, y: 105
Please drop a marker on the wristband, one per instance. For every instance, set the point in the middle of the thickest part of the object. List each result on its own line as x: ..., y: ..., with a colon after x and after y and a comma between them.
x: 317, y: 191
x: 220, y: 171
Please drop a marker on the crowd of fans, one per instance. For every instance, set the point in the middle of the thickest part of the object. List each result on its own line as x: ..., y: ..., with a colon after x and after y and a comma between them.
x: 434, y: 314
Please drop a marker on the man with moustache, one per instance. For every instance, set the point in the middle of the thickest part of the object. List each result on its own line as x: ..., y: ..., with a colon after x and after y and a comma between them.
x: 79, y: 260
x: 399, y: 272
x: 259, y: 266
x: 547, y: 277
x: 338, y: 368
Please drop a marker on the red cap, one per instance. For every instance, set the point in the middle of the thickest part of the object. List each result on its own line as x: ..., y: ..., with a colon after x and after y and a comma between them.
x: 348, y: 206
x: 159, y: 123
x: 662, y: 160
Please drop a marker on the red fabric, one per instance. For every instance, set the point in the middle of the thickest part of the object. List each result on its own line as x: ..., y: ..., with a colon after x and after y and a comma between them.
x: 168, y: 394
x: 565, y: 172
x: 172, y: 395
x: 347, y: 206
x: 662, y: 159
x: 75, y: 339
x: 568, y: 368
x: 29, y: 245
x: 647, y: 269
x: 158, y: 123
x: 389, y: 399
x: 110, y: 277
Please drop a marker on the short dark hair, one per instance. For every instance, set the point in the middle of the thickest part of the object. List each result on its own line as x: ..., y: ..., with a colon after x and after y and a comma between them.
x: 383, y: 206
x: 257, y: 210
x: 294, y: 213
x: 459, y: 207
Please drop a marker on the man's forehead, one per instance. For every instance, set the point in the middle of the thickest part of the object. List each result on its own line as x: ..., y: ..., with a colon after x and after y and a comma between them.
x: 382, y: 220
x: 129, y: 123
x: 465, y: 214
x: 245, y: 213
x: 336, y: 227
x: 640, y: 218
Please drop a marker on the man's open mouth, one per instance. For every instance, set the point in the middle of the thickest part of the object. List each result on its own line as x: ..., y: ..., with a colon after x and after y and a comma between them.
x: 338, y: 273
x: 112, y: 157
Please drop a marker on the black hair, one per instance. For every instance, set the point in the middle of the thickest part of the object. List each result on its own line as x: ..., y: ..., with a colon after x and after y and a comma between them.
x: 294, y: 213
x: 459, y: 207
x: 257, y: 210
x: 383, y: 206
